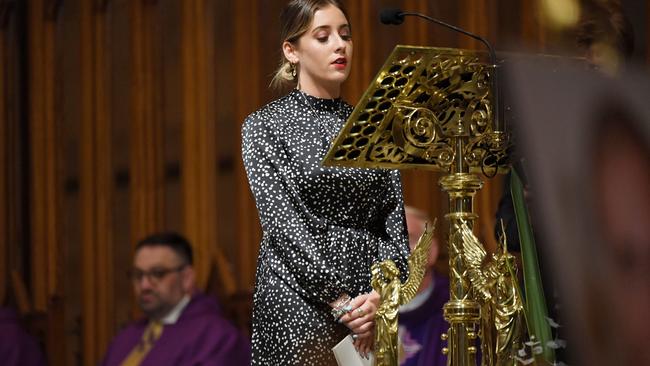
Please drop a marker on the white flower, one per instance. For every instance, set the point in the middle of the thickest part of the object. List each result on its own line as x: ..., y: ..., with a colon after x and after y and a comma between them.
x: 526, y: 361
x: 552, y: 323
x: 556, y: 344
x: 522, y: 352
x: 532, y: 343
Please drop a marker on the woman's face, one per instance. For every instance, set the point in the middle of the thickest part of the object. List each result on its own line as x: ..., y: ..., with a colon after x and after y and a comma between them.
x: 324, y: 52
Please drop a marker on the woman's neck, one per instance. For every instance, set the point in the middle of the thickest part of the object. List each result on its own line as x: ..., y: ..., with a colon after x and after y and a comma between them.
x: 320, y: 91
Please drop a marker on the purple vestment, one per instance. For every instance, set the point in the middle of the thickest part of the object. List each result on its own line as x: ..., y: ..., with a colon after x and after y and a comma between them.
x: 420, y: 328
x: 201, y: 336
x: 17, y: 348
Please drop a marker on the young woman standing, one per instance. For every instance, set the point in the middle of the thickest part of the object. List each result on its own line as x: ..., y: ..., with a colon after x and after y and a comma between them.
x: 323, y: 228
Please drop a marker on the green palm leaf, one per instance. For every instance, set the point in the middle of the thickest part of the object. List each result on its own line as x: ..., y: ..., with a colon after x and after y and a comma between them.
x: 536, y: 310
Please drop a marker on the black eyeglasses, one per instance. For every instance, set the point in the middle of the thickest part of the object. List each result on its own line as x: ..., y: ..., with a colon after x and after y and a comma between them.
x: 155, y: 275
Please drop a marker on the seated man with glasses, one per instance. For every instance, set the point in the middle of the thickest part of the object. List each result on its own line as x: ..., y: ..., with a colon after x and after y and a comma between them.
x: 181, y: 326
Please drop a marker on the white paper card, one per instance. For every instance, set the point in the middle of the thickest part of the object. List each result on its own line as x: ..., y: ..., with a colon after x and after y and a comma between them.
x: 346, y: 355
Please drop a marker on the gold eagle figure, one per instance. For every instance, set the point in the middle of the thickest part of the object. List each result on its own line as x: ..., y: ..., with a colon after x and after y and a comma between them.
x: 495, y: 285
x: 385, y: 280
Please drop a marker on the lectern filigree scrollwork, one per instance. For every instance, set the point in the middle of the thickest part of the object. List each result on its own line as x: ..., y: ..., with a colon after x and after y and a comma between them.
x: 432, y: 108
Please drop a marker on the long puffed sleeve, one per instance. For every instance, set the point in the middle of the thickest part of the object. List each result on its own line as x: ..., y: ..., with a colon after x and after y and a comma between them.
x: 292, y: 241
x: 396, y: 245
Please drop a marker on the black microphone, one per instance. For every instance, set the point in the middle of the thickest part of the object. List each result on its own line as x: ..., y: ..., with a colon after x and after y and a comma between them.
x: 391, y: 16
x: 396, y: 17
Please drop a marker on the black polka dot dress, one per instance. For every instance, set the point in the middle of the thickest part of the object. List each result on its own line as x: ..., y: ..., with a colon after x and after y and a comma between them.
x: 323, y: 228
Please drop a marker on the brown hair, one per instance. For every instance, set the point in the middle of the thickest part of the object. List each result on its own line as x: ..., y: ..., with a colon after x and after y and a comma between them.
x: 606, y: 23
x: 295, y: 19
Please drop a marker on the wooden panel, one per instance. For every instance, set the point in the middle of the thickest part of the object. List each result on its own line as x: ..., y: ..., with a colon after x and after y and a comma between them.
x: 475, y: 20
x: 20, y: 292
x: 532, y: 27
x: 168, y: 31
x: 120, y: 110
x: 12, y: 161
x: 37, y: 117
x: 147, y: 163
x: 247, y: 63
x: 199, y: 179
x: 363, y: 68
x: 96, y: 185
x: 4, y: 160
x: 45, y: 183
x: 45, y: 248
x: 416, y: 30
x: 51, y: 150
x: 88, y: 227
x: 226, y: 140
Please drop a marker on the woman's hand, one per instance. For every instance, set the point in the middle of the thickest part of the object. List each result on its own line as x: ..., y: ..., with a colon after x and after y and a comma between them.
x: 365, y: 345
x: 361, y: 320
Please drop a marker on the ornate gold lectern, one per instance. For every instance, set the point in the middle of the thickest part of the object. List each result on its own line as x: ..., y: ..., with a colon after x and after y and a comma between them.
x: 432, y: 108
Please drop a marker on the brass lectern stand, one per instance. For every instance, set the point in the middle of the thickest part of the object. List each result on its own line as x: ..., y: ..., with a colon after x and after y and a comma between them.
x: 431, y: 108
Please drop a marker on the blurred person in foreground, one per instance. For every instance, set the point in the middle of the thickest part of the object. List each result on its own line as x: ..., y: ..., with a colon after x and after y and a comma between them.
x: 181, y: 325
x: 421, y: 321
x: 605, y: 39
x: 621, y: 198
x: 586, y: 136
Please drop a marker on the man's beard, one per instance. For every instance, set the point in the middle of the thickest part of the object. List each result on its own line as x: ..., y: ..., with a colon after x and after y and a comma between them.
x: 154, y: 309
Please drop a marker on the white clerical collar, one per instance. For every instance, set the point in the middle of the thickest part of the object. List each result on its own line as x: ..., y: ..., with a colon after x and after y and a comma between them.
x: 176, y: 312
x: 419, y: 299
